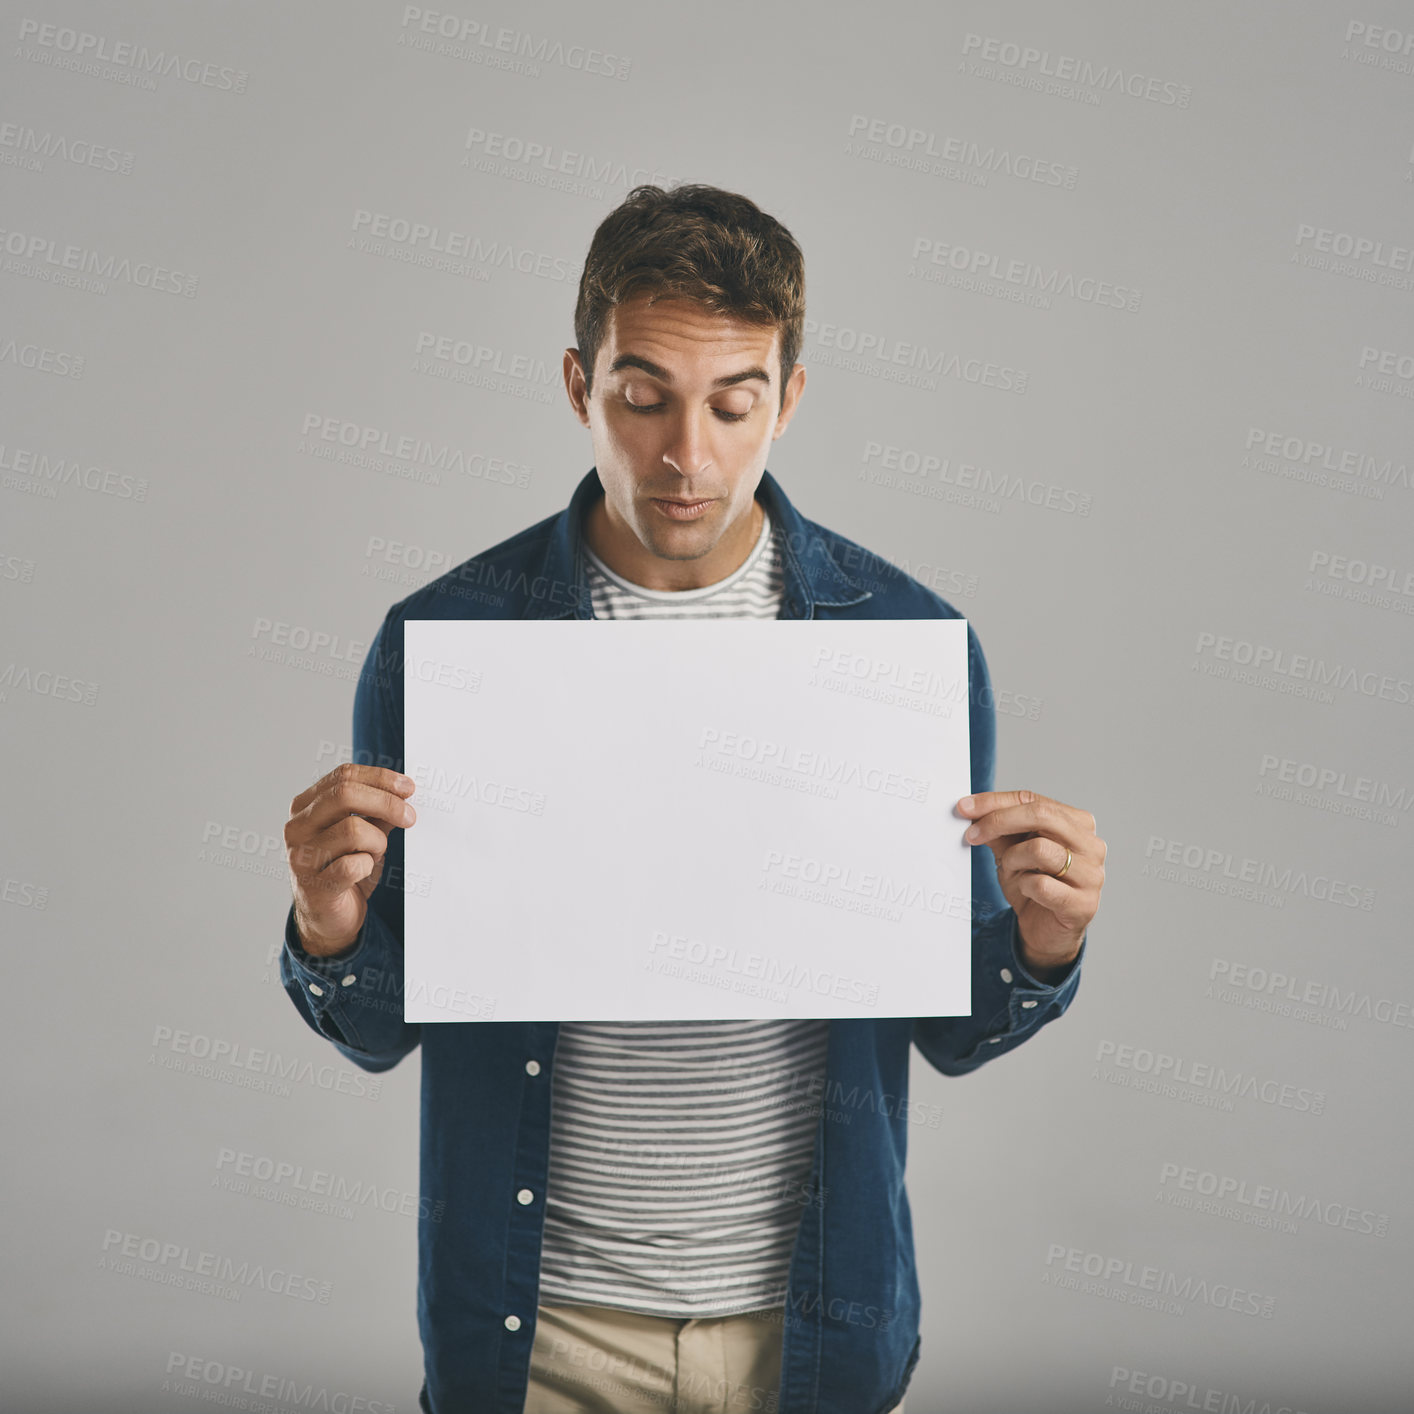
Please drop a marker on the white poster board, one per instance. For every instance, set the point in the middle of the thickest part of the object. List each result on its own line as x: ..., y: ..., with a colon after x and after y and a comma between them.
x: 686, y: 819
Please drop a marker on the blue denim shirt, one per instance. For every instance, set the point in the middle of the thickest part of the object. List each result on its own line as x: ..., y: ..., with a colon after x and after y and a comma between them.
x: 851, y: 1316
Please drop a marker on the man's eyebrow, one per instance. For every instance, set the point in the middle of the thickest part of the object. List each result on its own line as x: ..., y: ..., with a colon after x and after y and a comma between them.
x: 663, y: 376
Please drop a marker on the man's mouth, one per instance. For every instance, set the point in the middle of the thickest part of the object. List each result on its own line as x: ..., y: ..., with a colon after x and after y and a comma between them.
x: 680, y: 509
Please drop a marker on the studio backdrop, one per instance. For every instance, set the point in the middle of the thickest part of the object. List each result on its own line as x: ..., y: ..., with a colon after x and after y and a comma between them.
x: 1110, y: 342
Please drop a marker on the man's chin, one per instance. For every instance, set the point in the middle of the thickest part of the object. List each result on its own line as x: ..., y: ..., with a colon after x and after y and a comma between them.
x: 678, y: 544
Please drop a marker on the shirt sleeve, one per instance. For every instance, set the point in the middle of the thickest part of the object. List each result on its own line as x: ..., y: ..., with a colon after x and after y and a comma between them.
x: 1008, y: 1003
x: 355, y: 998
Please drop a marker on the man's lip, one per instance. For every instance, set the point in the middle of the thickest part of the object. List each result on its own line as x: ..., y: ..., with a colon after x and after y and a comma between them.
x: 674, y: 501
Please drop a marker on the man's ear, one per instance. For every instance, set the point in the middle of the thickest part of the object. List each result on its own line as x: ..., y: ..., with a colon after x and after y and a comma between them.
x: 576, y: 385
x: 795, y: 387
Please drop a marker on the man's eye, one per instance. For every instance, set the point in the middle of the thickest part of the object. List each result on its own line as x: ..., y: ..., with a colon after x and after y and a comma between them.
x: 721, y: 412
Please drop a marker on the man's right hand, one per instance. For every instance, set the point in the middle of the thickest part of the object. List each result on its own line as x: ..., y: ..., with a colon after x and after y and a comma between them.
x: 335, y: 840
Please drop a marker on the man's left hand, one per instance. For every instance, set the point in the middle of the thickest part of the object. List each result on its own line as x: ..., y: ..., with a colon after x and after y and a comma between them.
x: 1031, y: 837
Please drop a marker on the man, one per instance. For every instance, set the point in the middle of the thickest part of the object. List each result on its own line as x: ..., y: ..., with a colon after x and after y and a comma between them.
x: 684, y: 1216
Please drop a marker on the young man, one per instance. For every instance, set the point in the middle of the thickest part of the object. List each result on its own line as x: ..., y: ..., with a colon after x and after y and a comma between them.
x: 683, y: 1216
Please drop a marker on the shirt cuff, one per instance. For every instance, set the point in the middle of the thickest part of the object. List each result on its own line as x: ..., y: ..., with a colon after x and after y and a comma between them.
x: 1030, y: 980
x: 335, y: 968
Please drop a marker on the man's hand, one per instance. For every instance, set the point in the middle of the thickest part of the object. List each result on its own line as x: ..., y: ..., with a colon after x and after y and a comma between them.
x: 1029, y: 836
x: 335, y: 838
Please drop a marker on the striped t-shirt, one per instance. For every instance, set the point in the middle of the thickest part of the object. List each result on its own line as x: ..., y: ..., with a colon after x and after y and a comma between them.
x: 680, y: 1151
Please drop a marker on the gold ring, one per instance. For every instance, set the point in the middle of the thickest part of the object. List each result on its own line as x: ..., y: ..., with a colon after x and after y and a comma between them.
x: 1066, y: 866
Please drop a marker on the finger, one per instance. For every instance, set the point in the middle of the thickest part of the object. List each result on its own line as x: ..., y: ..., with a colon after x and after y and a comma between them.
x: 344, y: 798
x: 1039, y: 855
x: 1074, y: 828
x: 341, y: 873
x: 378, y: 776
x: 986, y: 801
x: 1066, y: 904
x: 351, y: 835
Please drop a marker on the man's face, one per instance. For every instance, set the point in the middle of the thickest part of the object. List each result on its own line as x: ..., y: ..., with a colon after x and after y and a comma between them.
x: 686, y: 404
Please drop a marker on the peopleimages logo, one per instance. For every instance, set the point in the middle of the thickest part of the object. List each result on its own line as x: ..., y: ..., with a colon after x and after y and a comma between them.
x: 291, y: 1184
x: 1337, y: 791
x: 775, y: 757
x: 1025, y: 274
x: 63, y: 47
x: 1361, y: 581
x: 1261, y: 873
x: 922, y: 149
x: 252, y: 1068
x: 1379, y: 46
x: 1181, y: 1395
x: 1366, y: 253
x: 901, y: 361
x: 481, y: 366
x: 895, y: 466
x: 549, y: 163
x: 1265, y: 989
x: 425, y: 240
x: 1041, y: 63
x: 440, y: 32
x: 818, y: 879
x: 1160, y: 1068
x: 907, y: 677
x: 757, y: 974
x: 176, y: 1264
x: 28, y: 147
x: 216, y: 1380
x: 1263, y: 1204
x: 1120, y: 1279
x: 1307, y: 459
x: 37, y: 254
x: 60, y: 362
x: 1271, y: 666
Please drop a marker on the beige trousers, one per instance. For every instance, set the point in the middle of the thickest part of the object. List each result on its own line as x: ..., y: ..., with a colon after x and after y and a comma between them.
x: 594, y: 1360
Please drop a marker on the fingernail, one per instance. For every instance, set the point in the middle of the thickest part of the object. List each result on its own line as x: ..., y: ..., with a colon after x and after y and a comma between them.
x: 966, y: 803
x: 972, y: 833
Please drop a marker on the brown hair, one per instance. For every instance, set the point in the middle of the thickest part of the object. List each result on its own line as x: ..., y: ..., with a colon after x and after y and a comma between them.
x: 695, y: 242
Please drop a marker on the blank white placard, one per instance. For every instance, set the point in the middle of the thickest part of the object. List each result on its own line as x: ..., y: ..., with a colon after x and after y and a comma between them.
x: 686, y: 819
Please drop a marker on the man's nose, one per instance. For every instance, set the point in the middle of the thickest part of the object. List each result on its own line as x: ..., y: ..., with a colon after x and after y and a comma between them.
x: 687, y: 448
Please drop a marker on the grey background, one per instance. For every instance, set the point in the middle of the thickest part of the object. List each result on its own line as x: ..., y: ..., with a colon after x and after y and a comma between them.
x: 127, y: 920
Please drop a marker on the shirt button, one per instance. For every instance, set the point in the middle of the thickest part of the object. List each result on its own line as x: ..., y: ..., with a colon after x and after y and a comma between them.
x: 348, y: 981
x: 994, y: 1040
x: 525, y: 1196
x: 1028, y: 1005
x: 512, y: 1323
x: 532, y: 1067
x: 316, y: 989
x: 1006, y: 974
